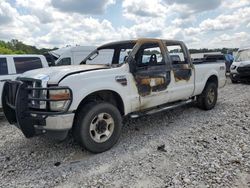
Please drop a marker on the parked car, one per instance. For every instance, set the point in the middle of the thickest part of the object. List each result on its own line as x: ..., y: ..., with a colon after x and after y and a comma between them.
x: 12, y: 66
x: 90, y: 99
x: 240, y: 68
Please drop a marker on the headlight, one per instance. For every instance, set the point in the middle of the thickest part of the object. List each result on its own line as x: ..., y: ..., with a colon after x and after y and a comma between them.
x: 233, y: 67
x: 61, y: 99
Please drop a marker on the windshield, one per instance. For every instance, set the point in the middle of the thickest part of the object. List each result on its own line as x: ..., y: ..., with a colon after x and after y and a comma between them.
x: 103, y: 56
x: 110, y: 54
x: 243, y: 55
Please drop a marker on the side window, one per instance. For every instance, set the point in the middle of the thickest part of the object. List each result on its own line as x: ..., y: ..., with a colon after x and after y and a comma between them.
x: 176, y: 54
x: 24, y: 64
x: 3, y: 66
x: 124, y: 53
x: 64, y: 61
x: 152, y: 56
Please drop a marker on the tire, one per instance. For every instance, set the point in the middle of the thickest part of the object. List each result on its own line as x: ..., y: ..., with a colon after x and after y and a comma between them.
x: 208, y: 98
x: 97, y: 126
x: 234, y: 81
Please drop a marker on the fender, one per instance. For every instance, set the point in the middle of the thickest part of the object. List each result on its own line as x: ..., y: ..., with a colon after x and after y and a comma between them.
x: 201, y: 83
x: 100, y: 80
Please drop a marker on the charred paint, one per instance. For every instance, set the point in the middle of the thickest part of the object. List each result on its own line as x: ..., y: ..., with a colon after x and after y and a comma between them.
x: 148, y: 84
x: 182, y: 72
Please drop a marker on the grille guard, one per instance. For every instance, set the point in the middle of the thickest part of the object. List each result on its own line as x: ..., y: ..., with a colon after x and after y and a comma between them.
x: 16, y: 100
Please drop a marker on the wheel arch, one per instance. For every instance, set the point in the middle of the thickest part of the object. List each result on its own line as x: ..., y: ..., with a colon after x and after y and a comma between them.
x: 104, y: 95
x: 213, y: 78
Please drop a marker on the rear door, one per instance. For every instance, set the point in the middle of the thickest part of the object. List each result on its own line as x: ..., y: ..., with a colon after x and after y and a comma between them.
x: 182, y: 74
x: 152, y: 75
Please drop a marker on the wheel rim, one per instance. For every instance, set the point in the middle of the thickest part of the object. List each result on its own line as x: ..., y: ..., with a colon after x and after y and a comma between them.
x: 210, y: 96
x: 101, y: 127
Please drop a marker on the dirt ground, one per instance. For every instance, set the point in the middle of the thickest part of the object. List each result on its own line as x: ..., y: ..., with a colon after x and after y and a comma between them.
x: 185, y: 147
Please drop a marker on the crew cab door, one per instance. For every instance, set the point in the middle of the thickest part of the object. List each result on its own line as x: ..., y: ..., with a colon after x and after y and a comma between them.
x: 182, y: 74
x: 151, y: 74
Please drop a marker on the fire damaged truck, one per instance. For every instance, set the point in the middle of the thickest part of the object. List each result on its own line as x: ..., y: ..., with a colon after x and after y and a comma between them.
x: 140, y: 77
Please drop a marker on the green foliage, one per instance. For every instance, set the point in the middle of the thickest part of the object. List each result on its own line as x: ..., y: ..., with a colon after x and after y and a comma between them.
x: 4, y: 50
x: 17, y: 47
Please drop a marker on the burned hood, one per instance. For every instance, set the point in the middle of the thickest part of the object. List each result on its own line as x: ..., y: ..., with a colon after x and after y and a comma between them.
x: 55, y: 74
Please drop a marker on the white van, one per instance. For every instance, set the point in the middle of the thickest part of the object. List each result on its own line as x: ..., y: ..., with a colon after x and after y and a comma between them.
x: 12, y: 66
x: 68, y: 55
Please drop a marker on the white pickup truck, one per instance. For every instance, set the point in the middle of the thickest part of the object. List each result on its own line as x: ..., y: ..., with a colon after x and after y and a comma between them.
x: 143, y: 77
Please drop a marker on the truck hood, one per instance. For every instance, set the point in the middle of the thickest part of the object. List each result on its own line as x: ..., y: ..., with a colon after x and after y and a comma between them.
x: 241, y: 63
x: 54, y: 74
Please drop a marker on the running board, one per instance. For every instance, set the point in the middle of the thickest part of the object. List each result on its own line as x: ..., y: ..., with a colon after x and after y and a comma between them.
x: 160, y: 109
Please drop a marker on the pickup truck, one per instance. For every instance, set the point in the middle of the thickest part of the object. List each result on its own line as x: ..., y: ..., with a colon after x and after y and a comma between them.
x: 143, y: 77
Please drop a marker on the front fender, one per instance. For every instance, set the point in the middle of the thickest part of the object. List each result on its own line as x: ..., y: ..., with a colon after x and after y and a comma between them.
x: 82, y: 86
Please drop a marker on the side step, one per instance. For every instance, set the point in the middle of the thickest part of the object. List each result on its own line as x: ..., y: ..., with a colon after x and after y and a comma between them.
x: 161, y: 108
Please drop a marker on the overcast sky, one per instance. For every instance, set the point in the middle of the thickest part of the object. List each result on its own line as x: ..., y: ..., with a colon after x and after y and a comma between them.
x: 199, y: 23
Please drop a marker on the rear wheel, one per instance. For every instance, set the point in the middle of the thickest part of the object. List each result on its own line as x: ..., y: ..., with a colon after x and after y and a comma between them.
x: 98, y: 126
x: 208, y: 98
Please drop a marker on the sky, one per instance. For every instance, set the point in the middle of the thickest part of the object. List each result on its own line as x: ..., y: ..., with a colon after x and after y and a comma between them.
x: 57, y: 23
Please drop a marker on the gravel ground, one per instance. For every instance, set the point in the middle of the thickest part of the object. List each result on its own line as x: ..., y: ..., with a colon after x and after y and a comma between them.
x: 185, y: 147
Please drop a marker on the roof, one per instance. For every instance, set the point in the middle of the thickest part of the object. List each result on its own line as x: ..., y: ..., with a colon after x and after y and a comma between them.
x: 21, y: 55
x: 63, y: 50
x: 140, y: 40
x: 244, y: 48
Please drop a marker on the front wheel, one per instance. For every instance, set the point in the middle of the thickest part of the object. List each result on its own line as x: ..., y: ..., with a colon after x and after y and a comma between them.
x: 234, y: 81
x: 98, y: 126
x: 208, y: 98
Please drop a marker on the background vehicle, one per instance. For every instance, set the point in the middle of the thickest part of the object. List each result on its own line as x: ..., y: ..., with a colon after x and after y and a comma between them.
x: 240, y: 68
x: 72, y: 55
x: 91, y: 99
x: 12, y: 66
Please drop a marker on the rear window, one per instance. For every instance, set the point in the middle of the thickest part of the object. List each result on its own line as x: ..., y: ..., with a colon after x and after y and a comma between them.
x: 24, y: 64
x: 3, y: 66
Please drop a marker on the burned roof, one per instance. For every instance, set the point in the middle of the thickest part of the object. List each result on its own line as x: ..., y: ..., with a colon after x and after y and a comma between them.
x: 131, y: 43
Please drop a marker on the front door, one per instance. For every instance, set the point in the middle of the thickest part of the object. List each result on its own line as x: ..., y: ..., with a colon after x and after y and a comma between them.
x: 152, y: 75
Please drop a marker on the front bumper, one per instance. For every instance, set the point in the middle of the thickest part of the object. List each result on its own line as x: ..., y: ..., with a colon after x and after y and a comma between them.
x: 241, y: 73
x: 21, y: 101
x: 240, y: 77
x: 59, y: 122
